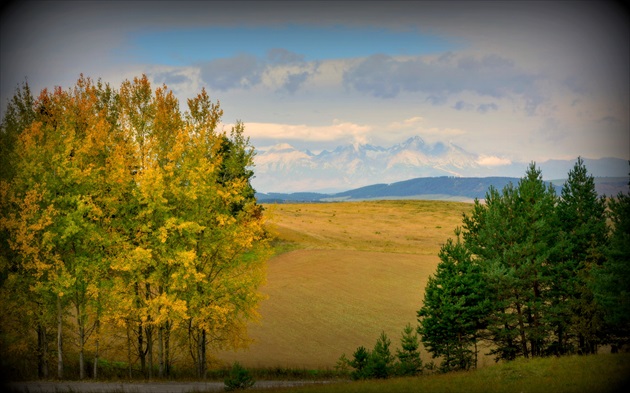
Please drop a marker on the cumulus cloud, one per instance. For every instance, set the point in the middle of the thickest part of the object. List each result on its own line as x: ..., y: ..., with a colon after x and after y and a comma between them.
x: 484, y: 160
x: 280, y: 69
x: 339, y: 130
x: 284, y: 56
x: 405, y: 124
x: 242, y: 71
x: 489, y: 75
x: 294, y: 81
x: 485, y: 108
x: 463, y: 106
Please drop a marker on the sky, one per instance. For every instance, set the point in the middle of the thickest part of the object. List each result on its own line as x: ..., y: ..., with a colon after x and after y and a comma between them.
x: 511, y: 81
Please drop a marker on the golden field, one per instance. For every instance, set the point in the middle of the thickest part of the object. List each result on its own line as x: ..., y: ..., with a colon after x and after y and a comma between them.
x: 354, y: 270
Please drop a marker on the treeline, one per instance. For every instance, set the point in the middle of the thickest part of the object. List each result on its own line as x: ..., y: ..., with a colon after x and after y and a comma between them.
x: 128, y: 230
x: 531, y: 274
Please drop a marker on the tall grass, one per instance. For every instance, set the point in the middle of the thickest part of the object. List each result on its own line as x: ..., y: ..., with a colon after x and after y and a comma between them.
x: 595, y: 373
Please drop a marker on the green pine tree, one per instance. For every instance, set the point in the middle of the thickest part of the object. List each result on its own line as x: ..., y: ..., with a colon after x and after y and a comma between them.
x: 409, y: 356
x: 359, y: 362
x: 583, y: 230
x: 513, y: 236
x: 456, y: 304
x: 381, y: 361
x: 612, y: 280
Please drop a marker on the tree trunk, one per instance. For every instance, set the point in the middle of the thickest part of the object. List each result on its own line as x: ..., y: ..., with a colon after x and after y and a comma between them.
x: 59, y: 339
x: 201, y: 354
x: 80, y: 322
x: 149, y: 334
x: 167, y: 349
x: 129, y: 349
x: 141, y: 350
x: 42, y: 352
x: 476, y: 353
x: 521, y: 328
x: 161, y: 351
x: 98, y: 332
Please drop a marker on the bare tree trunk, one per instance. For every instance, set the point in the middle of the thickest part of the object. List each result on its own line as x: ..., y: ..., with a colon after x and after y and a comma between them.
x: 59, y: 340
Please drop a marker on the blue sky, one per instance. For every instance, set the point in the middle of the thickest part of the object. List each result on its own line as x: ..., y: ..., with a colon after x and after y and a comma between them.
x: 511, y: 81
x: 179, y: 47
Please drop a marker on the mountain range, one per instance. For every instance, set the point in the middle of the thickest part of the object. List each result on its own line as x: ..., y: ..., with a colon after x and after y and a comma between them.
x: 462, y: 189
x: 285, y: 169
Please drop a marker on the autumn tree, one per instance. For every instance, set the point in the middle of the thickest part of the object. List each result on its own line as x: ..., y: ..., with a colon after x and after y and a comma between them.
x: 120, y: 210
x: 21, y: 312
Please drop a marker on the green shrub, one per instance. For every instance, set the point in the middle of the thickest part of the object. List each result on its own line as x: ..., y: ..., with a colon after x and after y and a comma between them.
x: 239, y: 378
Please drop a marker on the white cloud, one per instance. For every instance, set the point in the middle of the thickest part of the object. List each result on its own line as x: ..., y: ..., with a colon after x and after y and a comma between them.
x: 493, y: 161
x: 406, y: 124
x: 337, y: 131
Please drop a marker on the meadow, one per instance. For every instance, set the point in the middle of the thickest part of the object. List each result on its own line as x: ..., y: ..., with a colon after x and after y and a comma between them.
x: 344, y: 272
x: 604, y: 373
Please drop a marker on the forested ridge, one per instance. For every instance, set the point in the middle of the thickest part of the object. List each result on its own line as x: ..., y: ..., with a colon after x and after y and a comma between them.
x: 127, y: 227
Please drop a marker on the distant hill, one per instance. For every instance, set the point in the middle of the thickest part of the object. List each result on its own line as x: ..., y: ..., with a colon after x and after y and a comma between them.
x: 433, y: 188
x: 436, y: 188
x: 283, y: 168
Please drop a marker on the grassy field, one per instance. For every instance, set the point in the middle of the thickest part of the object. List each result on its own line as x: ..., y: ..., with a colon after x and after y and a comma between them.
x: 353, y: 270
x: 594, y: 374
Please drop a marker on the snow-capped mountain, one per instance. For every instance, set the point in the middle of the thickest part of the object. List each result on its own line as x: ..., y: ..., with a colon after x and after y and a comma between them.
x: 283, y: 168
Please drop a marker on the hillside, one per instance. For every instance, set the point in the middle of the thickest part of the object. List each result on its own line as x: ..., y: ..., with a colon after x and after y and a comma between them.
x: 459, y: 189
x: 356, y: 269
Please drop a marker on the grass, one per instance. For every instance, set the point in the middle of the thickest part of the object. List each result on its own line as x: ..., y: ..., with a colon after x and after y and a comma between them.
x: 572, y: 374
x: 344, y: 272
x: 595, y: 373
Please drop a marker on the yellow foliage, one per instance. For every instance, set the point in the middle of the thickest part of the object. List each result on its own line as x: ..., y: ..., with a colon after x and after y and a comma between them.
x: 117, y: 208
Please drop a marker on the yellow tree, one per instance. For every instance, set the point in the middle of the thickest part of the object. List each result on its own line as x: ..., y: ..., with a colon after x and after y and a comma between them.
x: 38, y: 195
x: 20, y: 311
x: 228, y: 236
x: 116, y: 205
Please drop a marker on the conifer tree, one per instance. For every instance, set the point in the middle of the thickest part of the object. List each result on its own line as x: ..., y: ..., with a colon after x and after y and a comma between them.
x: 380, y: 362
x: 583, y: 237
x: 455, y: 307
x: 611, y: 285
x: 359, y: 362
x: 513, y: 238
x: 409, y: 356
